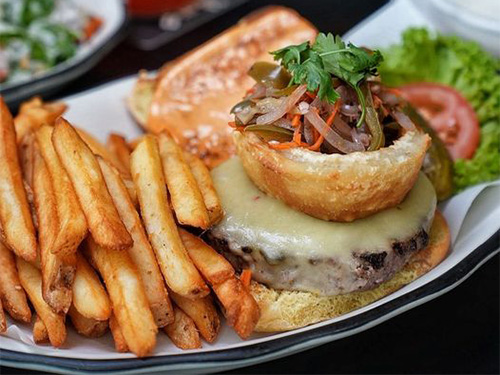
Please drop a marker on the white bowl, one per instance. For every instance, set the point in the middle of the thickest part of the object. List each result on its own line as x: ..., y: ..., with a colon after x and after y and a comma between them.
x: 477, y: 20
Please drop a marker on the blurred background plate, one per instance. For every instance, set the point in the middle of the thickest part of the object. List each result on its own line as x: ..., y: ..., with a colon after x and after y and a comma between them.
x: 113, y: 15
x: 151, y: 30
x: 477, y: 20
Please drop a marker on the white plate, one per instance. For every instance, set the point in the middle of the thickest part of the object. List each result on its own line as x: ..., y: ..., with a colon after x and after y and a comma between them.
x: 101, y: 111
x: 453, y: 17
x: 113, y: 14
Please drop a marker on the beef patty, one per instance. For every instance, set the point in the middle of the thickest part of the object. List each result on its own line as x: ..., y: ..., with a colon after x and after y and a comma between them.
x: 287, y: 249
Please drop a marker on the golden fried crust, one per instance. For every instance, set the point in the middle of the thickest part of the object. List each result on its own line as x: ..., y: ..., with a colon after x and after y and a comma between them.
x: 335, y: 187
x: 195, y: 93
x: 287, y: 310
x: 139, y: 100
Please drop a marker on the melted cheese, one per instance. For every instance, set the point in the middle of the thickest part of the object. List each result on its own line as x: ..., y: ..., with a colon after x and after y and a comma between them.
x: 258, y: 221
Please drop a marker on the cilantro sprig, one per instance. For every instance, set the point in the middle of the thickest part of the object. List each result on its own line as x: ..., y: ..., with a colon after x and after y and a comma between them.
x: 315, y: 64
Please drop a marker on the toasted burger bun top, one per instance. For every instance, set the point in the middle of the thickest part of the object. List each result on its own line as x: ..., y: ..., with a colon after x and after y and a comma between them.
x: 195, y: 93
x: 287, y: 310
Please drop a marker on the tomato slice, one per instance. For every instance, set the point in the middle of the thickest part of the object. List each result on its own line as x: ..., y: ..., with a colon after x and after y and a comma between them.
x: 449, y: 113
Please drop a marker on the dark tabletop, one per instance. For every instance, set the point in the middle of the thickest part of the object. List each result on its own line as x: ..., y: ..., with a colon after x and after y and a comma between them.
x: 455, y: 333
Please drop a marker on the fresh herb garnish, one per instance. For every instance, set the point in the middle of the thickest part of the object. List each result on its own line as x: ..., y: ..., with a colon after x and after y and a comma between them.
x: 315, y: 64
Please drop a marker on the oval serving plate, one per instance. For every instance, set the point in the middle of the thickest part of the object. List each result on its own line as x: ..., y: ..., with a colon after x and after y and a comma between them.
x: 102, y: 110
x: 113, y: 14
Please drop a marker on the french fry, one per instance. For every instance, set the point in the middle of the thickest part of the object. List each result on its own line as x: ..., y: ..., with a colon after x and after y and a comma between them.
x: 3, y: 321
x: 210, y: 197
x: 83, y: 170
x: 26, y: 154
x: 119, y: 147
x: 134, y: 142
x: 87, y: 327
x: 100, y: 149
x: 58, y: 270
x: 185, y: 195
x: 179, y: 272
x: 241, y: 309
x: 120, y: 343
x: 213, y: 266
x: 129, y: 184
x: 129, y: 301
x: 18, y: 231
x: 23, y: 125
x: 141, y: 252
x: 40, y: 334
x: 203, y: 313
x: 183, y: 331
x: 11, y: 293
x: 90, y: 298
x: 35, y: 113
x: 72, y: 225
x: 31, y: 280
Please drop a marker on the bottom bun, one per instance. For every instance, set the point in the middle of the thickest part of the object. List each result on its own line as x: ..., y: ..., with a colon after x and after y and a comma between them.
x: 283, y: 310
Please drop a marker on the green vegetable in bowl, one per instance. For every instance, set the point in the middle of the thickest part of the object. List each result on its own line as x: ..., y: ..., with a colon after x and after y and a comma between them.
x: 270, y: 74
x: 464, y: 65
x: 36, y: 35
x: 23, y: 12
x: 55, y: 42
x: 271, y: 132
x: 315, y: 64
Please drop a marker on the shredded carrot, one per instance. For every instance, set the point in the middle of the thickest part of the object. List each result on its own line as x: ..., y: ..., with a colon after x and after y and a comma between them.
x: 312, y: 95
x: 329, y: 121
x: 283, y: 146
x: 236, y: 127
x: 330, y: 118
x: 379, y: 104
x: 246, y: 277
x: 297, y: 135
x: 376, y: 101
x: 316, y: 134
x: 93, y: 24
x: 296, y: 120
x: 317, y: 144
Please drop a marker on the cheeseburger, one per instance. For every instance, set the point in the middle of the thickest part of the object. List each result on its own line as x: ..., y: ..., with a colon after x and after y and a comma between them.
x: 328, y: 179
x: 325, y: 198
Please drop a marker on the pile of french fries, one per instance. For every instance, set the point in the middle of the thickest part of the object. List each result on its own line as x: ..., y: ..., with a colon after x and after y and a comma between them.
x: 94, y: 232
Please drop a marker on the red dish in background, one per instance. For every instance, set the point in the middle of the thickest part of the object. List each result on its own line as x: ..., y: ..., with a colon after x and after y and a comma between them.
x: 150, y: 8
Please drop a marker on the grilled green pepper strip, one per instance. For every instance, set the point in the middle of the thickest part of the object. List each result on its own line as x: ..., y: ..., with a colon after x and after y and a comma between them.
x: 285, y: 92
x: 271, y: 132
x: 371, y: 119
x: 270, y: 74
x: 438, y: 165
x: 238, y: 107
